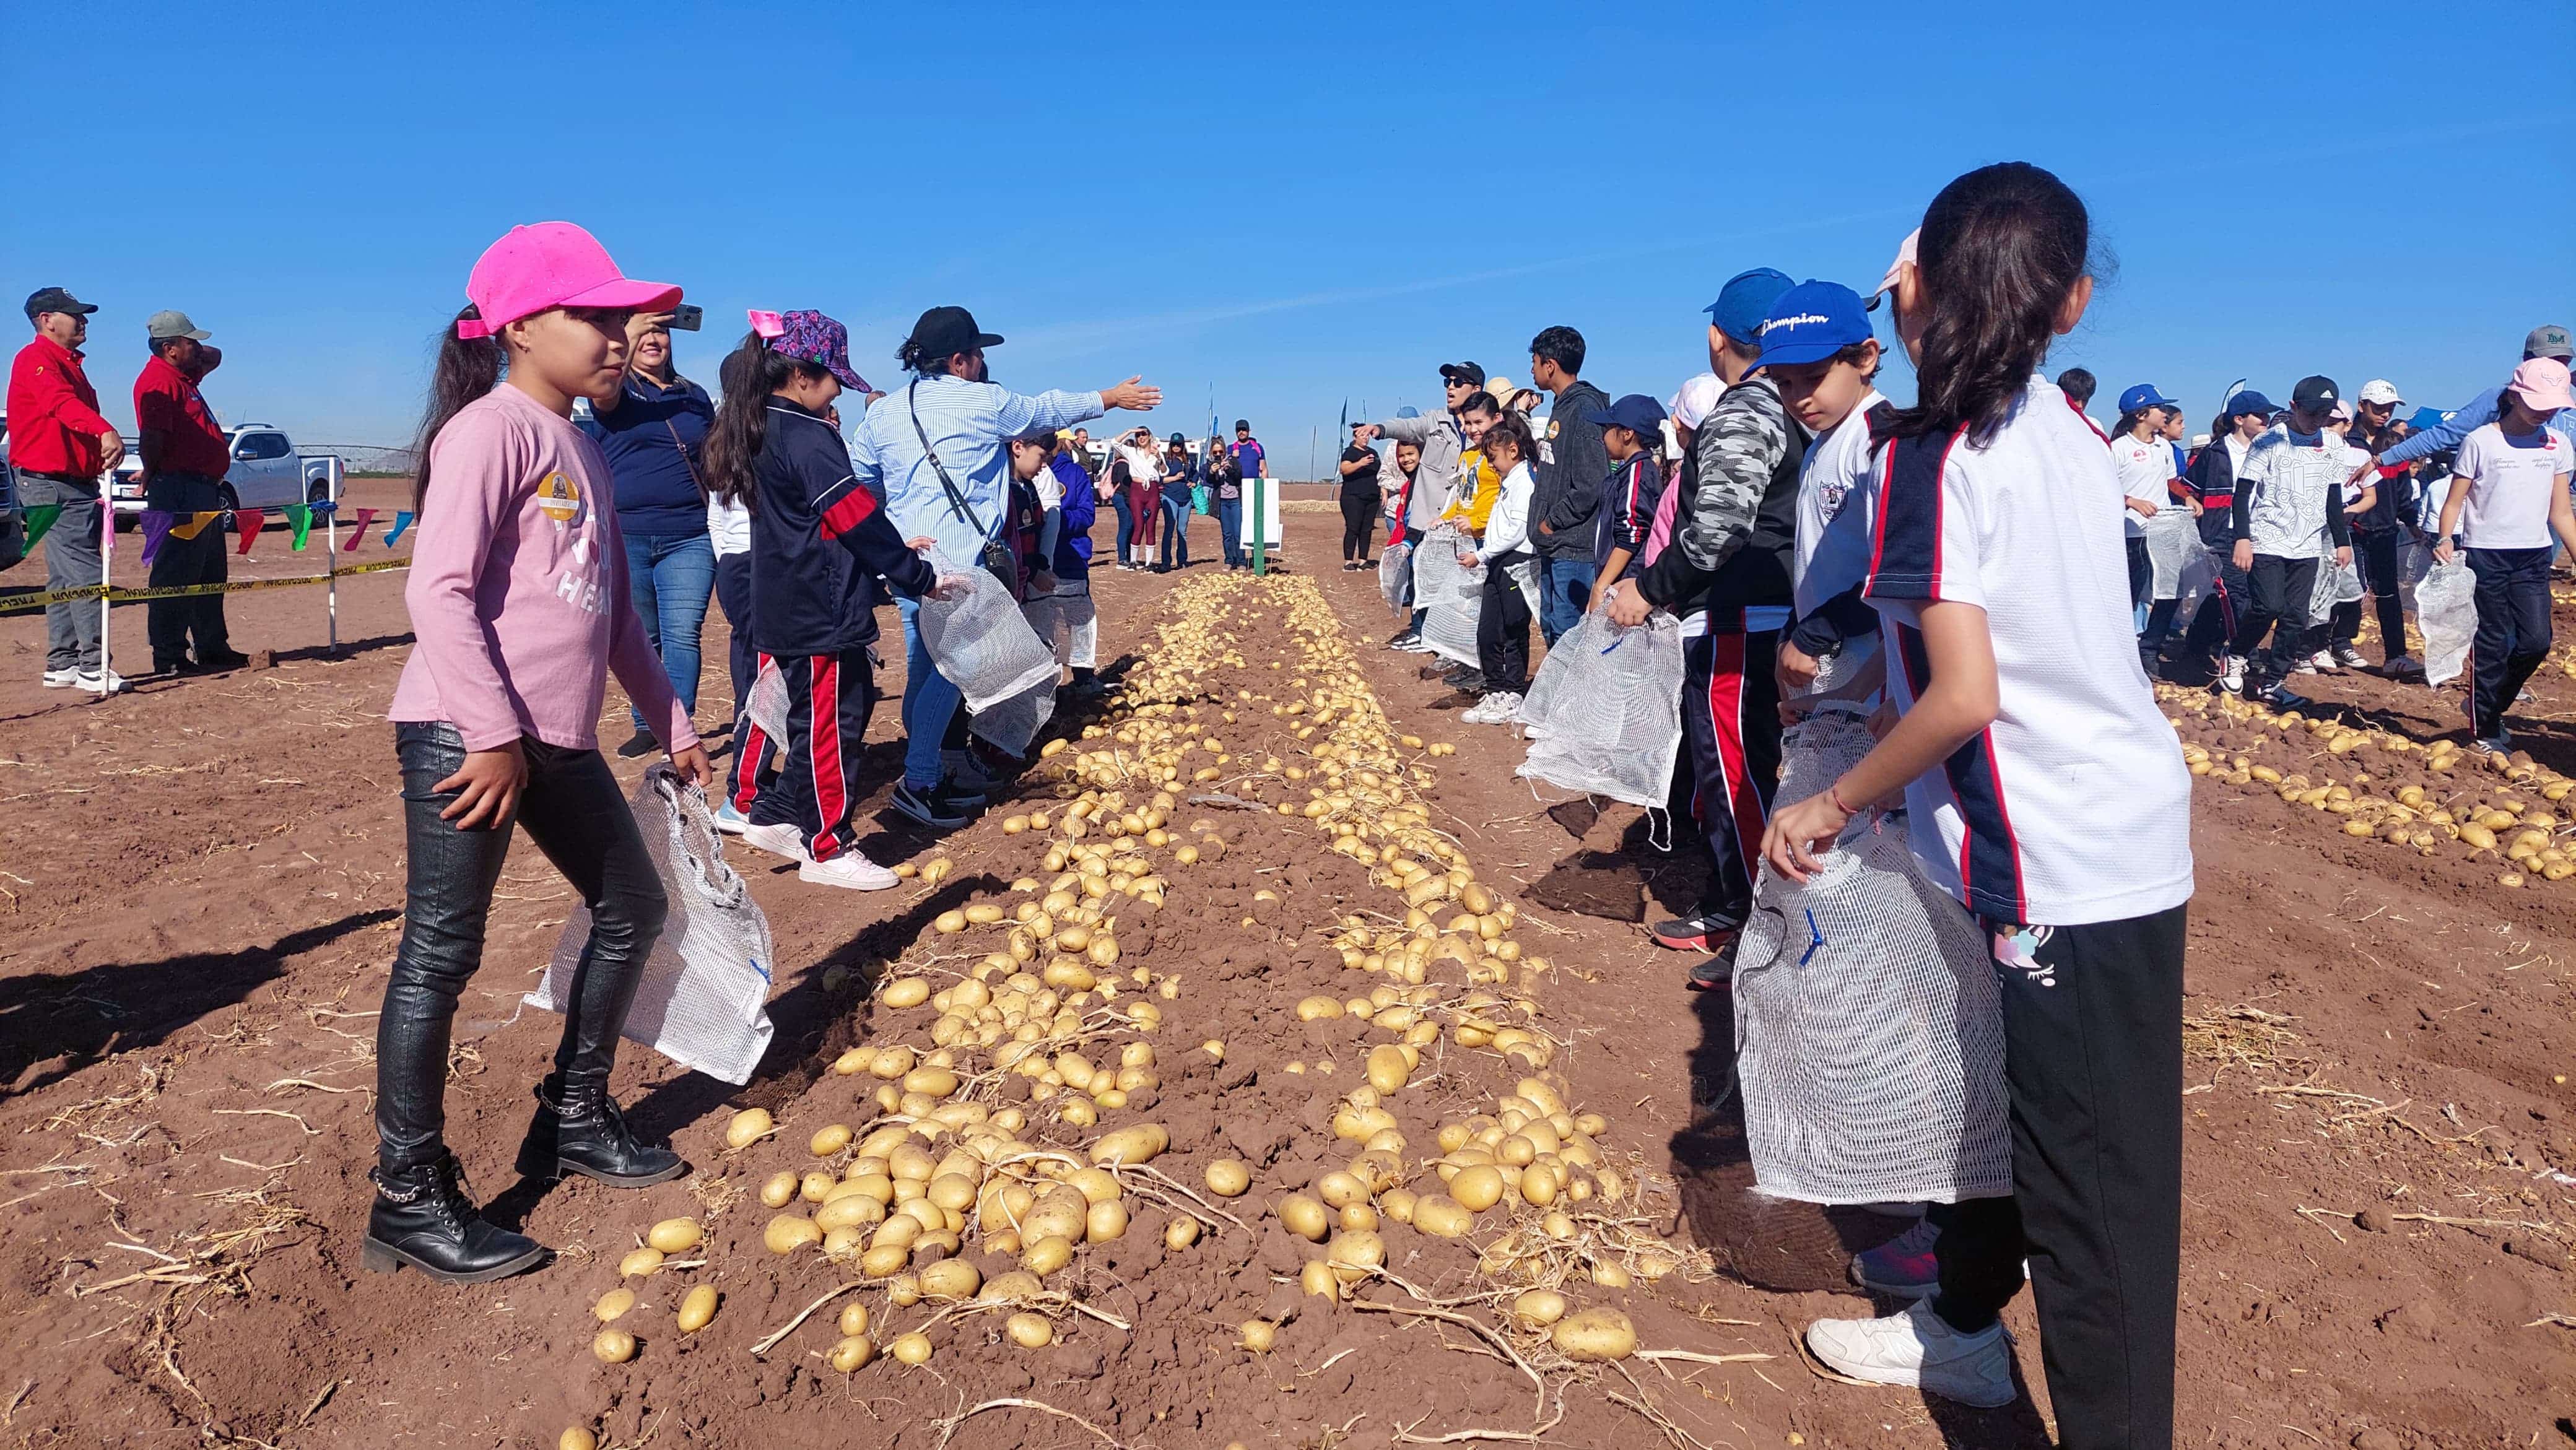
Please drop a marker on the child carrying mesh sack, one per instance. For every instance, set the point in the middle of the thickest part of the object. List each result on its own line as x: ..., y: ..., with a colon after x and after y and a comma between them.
x: 1869, y: 1045
x: 1869, y: 1040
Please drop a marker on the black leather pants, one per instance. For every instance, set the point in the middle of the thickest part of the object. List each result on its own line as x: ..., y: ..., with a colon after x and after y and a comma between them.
x: 572, y: 808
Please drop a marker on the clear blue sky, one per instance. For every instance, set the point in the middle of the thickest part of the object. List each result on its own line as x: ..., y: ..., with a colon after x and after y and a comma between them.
x: 1288, y: 204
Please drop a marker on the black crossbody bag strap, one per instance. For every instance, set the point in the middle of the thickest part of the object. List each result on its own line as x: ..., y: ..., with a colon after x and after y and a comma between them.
x: 993, y: 554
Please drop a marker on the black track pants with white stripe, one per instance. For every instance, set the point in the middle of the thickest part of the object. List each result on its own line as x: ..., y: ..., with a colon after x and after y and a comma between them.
x: 1731, y: 719
x: 829, y: 698
x: 2093, y: 1063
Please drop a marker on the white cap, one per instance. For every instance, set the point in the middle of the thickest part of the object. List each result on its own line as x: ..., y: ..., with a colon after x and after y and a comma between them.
x: 1904, y: 259
x: 2380, y: 390
x: 1694, y: 398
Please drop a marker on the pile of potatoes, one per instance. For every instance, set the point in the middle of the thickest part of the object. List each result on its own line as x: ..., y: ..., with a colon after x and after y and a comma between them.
x: 2511, y: 823
x: 945, y: 1169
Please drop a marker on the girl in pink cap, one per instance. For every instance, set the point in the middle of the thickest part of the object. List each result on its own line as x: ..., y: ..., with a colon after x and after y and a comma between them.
x: 518, y: 598
x: 2508, y: 499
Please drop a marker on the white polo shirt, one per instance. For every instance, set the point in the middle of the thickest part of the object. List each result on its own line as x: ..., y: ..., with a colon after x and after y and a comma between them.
x: 2146, y: 472
x: 2511, y: 481
x: 1837, y: 510
x: 2073, y: 807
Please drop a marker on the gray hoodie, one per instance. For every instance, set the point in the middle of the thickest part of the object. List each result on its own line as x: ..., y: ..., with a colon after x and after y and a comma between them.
x: 1437, y: 436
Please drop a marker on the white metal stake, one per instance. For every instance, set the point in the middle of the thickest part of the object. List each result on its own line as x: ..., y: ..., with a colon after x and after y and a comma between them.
x: 106, y: 570
x: 331, y: 542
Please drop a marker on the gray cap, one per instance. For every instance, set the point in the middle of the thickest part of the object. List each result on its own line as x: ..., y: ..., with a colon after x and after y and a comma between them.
x: 164, y: 326
x: 2548, y: 340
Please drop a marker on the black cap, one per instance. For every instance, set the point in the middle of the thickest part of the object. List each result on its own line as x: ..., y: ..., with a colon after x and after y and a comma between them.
x: 1177, y: 438
x: 1472, y: 374
x: 947, y: 331
x: 55, y: 299
x: 2315, y: 394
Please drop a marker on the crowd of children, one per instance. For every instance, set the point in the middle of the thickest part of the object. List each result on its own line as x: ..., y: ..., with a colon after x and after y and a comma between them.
x: 1947, y: 568
x: 1953, y: 566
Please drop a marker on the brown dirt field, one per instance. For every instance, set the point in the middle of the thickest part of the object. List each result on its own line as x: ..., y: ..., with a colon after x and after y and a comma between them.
x: 201, y: 887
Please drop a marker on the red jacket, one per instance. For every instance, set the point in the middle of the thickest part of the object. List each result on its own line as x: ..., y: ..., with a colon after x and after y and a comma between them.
x: 54, y: 423
x: 167, y: 404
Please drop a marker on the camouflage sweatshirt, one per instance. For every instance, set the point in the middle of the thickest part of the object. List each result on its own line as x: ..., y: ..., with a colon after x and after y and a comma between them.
x: 1738, y: 528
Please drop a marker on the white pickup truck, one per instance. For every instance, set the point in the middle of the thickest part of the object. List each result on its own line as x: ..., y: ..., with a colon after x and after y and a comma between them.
x: 266, y: 473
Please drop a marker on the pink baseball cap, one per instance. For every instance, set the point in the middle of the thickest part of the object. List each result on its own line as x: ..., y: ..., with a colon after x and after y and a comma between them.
x: 551, y: 264
x: 2541, y: 382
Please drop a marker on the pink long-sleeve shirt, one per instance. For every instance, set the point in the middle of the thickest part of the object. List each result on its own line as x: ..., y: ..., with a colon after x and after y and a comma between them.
x: 518, y: 592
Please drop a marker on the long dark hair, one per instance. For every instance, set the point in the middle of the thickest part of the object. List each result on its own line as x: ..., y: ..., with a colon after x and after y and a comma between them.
x: 467, y: 368
x: 2001, y: 248
x: 1515, y: 429
x: 750, y: 374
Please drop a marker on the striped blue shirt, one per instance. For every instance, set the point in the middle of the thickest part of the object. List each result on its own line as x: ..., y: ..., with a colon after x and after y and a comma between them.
x: 970, y: 425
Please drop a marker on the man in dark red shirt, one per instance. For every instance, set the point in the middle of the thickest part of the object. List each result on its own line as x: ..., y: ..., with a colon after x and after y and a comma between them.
x: 59, y: 446
x: 185, y: 457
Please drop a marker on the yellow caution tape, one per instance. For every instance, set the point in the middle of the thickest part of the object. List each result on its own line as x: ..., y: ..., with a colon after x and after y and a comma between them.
x: 23, y: 603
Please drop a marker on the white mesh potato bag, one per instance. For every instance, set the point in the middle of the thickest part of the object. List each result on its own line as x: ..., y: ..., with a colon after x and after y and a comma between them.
x: 2334, y: 586
x: 979, y: 640
x: 1014, y: 723
x: 1394, y: 565
x: 767, y: 706
x: 1869, y: 1037
x: 1453, y: 597
x: 2173, y: 546
x: 2446, y: 609
x: 703, y: 1000
x: 1605, y: 710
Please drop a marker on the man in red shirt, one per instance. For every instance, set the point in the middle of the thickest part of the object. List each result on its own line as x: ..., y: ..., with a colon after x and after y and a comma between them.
x: 59, y: 446
x: 185, y: 457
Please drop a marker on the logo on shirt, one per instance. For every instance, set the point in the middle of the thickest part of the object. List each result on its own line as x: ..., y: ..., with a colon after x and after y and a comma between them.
x: 559, y: 498
x: 1551, y: 427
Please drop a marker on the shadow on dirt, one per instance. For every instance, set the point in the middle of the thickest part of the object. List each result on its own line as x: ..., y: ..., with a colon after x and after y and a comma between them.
x: 1786, y: 1246
x: 54, y: 1025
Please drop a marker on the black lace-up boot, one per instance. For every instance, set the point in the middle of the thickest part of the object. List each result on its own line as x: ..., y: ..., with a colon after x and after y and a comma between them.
x: 578, y: 1129
x: 423, y: 1217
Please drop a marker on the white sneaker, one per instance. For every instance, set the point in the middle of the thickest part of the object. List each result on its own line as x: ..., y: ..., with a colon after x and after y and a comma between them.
x: 778, y: 839
x: 1494, y: 709
x: 1529, y: 731
x: 849, y: 869
x: 730, y: 821
x: 1915, y: 1349
x: 61, y: 679
x: 2316, y: 663
x: 100, y: 682
x: 2231, y: 675
x: 1510, y: 712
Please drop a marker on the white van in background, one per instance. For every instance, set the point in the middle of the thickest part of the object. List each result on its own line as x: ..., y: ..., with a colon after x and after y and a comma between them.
x: 266, y: 473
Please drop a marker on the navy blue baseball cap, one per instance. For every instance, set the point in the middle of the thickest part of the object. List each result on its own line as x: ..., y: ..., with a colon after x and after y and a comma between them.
x: 2249, y: 401
x: 1745, y: 300
x: 1811, y: 322
x: 2142, y: 397
x: 1636, y: 412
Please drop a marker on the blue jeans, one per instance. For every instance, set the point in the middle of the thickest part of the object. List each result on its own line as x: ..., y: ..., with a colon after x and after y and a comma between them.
x: 1176, y: 529
x: 671, y: 579
x: 929, y: 703
x: 1229, y: 524
x: 1126, y: 522
x: 1565, y: 591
